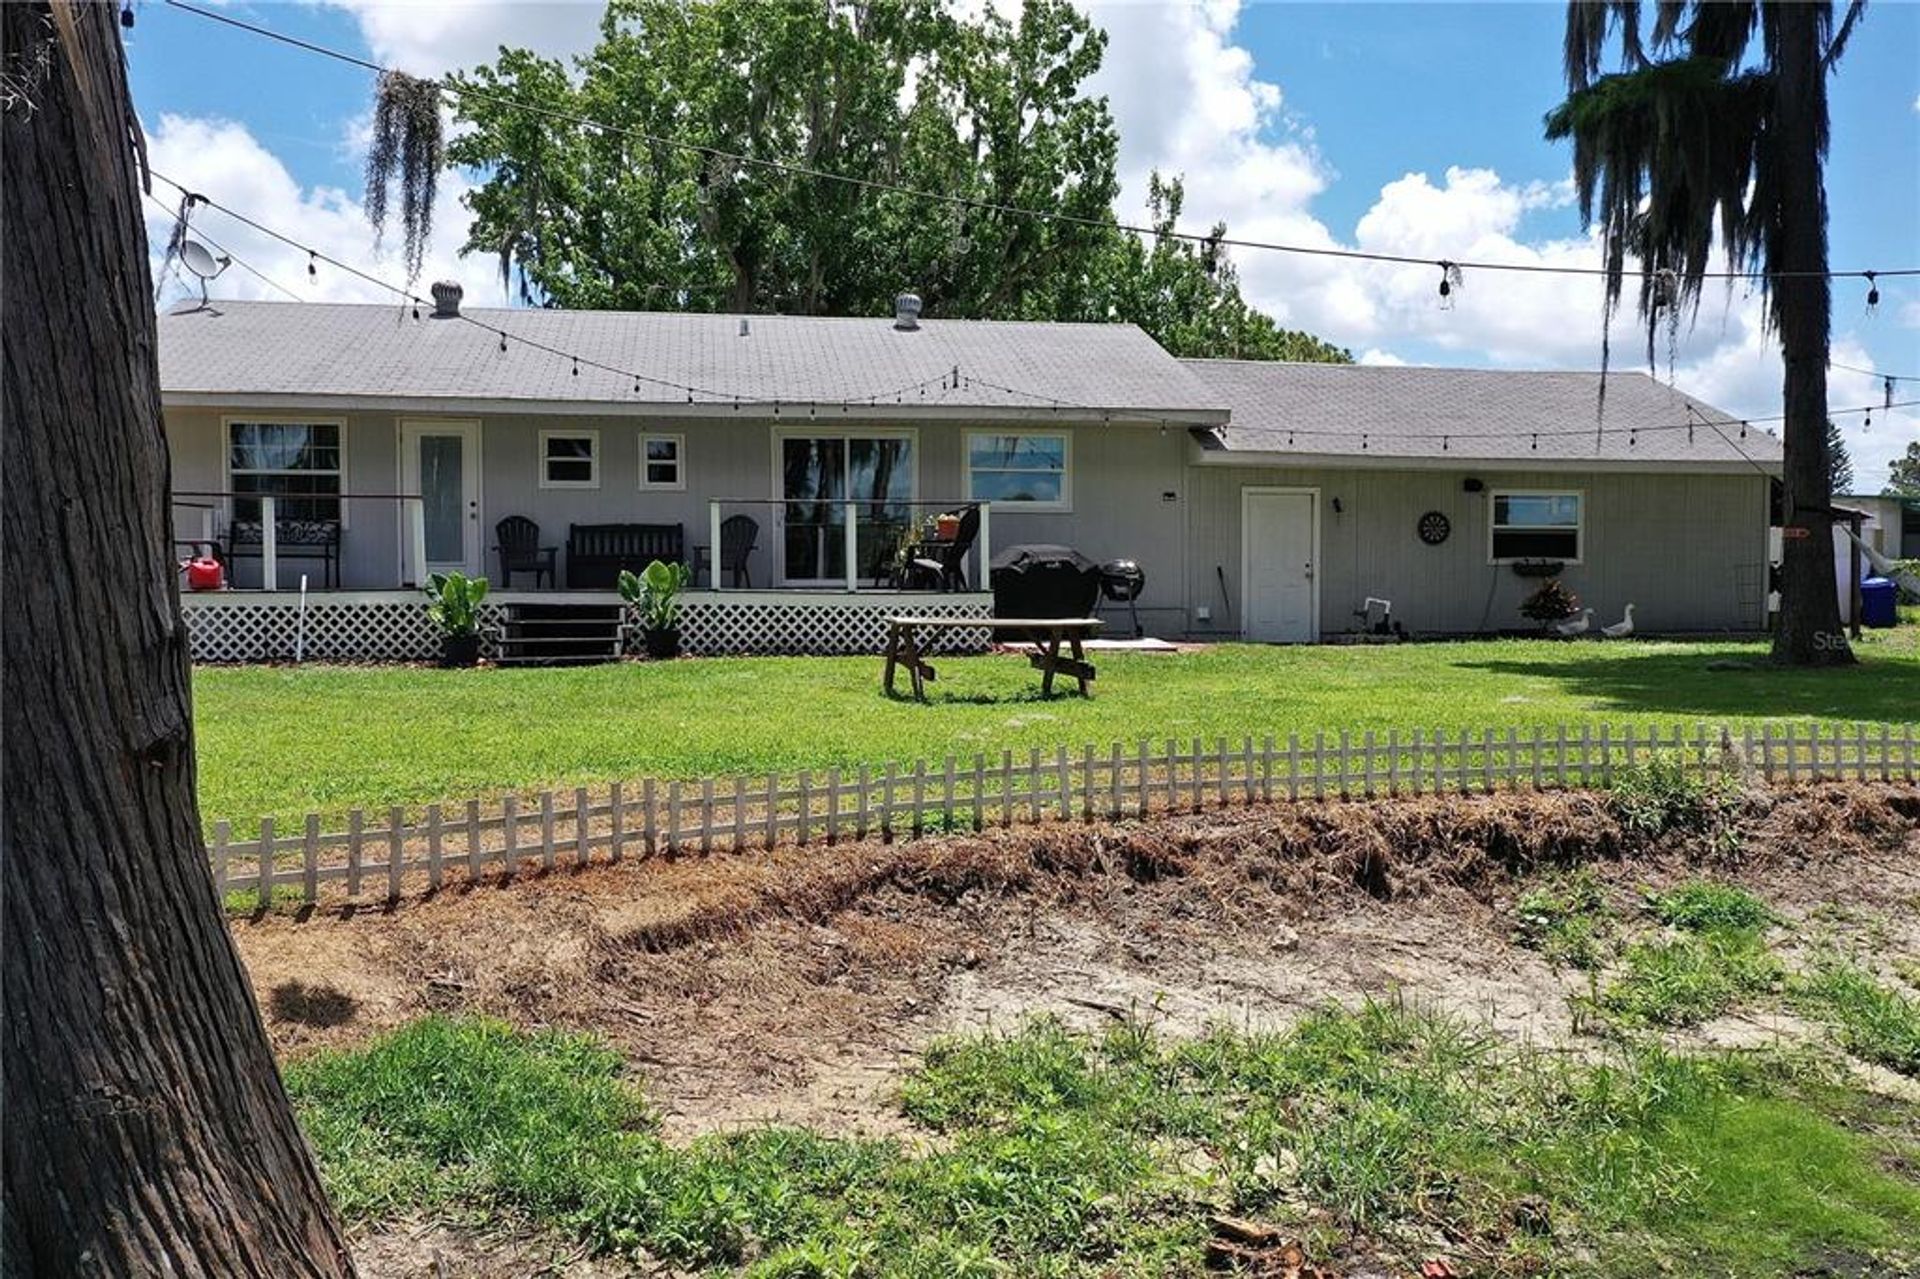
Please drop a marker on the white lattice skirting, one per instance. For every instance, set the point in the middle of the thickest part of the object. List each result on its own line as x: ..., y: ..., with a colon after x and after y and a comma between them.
x: 394, y: 627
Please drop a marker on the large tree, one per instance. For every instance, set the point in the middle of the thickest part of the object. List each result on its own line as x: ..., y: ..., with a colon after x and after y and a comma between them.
x: 1716, y: 122
x: 1903, y: 475
x: 147, y: 1132
x: 899, y: 95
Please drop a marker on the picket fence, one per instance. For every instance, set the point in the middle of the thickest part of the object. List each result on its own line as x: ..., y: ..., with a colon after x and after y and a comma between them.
x: 412, y: 852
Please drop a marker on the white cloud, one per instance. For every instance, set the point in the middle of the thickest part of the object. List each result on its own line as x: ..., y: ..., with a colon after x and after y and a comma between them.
x: 223, y: 159
x: 428, y: 38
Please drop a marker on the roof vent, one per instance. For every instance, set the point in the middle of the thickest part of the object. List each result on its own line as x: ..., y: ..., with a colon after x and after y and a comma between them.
x: 446, y: 298
x: 906, y: 312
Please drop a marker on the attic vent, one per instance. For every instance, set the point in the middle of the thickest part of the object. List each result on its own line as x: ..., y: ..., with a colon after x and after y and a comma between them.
x: 906, y: 312
x: 446, y: 298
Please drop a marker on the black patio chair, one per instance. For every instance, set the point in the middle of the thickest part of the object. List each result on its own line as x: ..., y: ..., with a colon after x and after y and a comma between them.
x: 739, y: 536
x: 520, y: 551
x: 945, y: 563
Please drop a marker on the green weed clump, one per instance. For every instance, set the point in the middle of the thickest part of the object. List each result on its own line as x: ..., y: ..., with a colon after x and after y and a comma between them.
x: 1666, y: 794
x: 1063, y: 1154
x: 1566, y: 919
x: 1872, y: 1020
x: 1689, y: 979
x: 1704, y: 906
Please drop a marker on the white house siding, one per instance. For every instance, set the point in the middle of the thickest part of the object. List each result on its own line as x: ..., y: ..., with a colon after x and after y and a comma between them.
x: 1676, y: 546
x: 370, y: 541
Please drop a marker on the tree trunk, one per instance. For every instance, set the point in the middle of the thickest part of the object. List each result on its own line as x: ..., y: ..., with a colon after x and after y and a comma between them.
x: 1809, y: 631
x: 147, y: 1131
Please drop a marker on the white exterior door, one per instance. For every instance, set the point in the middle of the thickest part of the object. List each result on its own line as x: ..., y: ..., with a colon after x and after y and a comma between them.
x: 441, y: 462
x: 1280, y: 552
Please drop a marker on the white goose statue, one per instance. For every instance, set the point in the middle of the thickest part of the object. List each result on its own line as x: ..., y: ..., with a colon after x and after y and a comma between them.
x: 1574, y: 625
x: 1620, y: 629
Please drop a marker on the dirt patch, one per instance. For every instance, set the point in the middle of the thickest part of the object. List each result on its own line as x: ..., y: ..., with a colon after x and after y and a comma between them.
x: 796, y: 985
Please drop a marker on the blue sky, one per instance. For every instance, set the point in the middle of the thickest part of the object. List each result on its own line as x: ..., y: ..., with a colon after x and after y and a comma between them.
x: 1409, y: 127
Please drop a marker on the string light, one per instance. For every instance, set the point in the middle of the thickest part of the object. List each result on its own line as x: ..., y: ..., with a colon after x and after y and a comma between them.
x: 1873, y: 292
x: 313, y: 268
x: 1204, y: 240
x: 503, y: 341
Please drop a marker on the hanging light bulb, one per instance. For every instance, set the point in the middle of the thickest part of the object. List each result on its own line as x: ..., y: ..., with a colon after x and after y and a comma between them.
x: 313, y: 267
x: 1886, y: 388
x: 416, y: 310
x: 1446, y: 442
x: 126, y: 14
x: 1536, y: 441
x: 1743, y: 428
x: 1633, y: 438
x: 503, y: 350
x: 576, y: 366
x: 1873, y: 291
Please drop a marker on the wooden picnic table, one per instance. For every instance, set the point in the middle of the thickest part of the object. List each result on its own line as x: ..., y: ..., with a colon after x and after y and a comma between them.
x: 1046, y: 634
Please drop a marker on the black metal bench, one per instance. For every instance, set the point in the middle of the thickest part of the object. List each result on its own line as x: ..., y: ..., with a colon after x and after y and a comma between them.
x: 596, y: 553
x: 292, y: 539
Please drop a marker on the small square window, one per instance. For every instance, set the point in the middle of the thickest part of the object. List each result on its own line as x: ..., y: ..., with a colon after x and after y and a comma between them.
x: 569, y: 459
x: 663, y: 461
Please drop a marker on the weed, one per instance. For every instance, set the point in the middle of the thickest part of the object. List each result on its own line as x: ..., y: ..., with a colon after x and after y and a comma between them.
x: 1566, y: 919
x: 1873, y: 1021
x: 1689, y: 979
x: 1702, y: 905
x: 1667, y: 793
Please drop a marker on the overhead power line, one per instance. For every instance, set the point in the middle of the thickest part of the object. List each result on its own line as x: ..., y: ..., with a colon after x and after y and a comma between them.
x: 956, y: 378
x: 1449, y: 267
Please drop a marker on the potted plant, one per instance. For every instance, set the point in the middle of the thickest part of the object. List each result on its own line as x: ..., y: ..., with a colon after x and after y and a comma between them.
x: 1551, y: 603
x: 655, y: 595
x: 454, y: 605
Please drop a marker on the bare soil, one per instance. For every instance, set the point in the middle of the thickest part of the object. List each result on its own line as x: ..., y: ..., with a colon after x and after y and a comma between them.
x: 796, y: 986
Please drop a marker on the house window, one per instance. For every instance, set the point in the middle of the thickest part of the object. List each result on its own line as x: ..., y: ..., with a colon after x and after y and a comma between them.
x: 297, y: 462
x: 663, y: 461
x: 1536, y: 526
x: 569, y: 459
x: 1028, y: 469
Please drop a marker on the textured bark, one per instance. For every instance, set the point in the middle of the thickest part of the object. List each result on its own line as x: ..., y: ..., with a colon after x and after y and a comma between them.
x: 146, y: 1129
x: 1809, y: 631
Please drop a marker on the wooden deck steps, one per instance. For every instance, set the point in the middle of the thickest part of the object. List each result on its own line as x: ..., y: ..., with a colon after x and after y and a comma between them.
x: 560, y: 634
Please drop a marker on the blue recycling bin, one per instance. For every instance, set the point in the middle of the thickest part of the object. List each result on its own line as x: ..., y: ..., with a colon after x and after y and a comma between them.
x: 1878, y: 597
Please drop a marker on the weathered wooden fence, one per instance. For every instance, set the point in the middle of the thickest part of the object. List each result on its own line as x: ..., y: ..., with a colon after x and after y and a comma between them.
x: 401, y: 851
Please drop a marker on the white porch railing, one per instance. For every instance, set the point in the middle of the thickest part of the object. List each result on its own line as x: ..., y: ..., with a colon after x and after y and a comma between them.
x: 204, y: 516
x: 850, y: 530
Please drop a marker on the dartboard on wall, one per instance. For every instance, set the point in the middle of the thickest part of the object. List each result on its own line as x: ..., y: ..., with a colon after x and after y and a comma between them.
x: 1434, y: 528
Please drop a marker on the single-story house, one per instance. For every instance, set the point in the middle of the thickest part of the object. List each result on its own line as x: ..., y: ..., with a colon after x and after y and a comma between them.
x: 1265, y: 501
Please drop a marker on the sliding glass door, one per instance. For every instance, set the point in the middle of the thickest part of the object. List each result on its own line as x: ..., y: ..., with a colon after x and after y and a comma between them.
x: 819, y: 473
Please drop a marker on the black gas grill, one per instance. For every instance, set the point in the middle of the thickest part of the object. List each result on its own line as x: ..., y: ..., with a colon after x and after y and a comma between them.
x: 1044, y: 581
x: 1121, y: 581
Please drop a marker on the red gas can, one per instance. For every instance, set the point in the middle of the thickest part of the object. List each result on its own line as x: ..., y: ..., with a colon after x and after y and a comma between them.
x: 205, y: 574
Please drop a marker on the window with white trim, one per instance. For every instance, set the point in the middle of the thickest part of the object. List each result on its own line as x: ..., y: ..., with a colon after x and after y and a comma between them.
x: 569, y: 459
x: 297, y: 462
x: 1027, y: 469
x: 663, y: 461
x: 1536, y: 525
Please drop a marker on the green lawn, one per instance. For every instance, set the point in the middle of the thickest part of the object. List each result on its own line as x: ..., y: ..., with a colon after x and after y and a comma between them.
x: 286, y: 741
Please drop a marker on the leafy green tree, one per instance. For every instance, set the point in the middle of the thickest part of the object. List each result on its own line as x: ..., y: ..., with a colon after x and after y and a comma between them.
x: 1723, y: 128
x: 1839, y: 461
x: 1188, y: 297
x: 1903, y: 477
x: 892, y: 94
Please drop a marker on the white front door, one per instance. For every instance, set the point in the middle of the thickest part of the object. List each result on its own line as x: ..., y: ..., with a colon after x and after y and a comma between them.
x: 441, y: 462
x: 1280, y: 550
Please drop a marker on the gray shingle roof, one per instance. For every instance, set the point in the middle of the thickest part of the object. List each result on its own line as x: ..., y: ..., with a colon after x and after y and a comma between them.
x: 1378, y: 411
x: 313, y: 349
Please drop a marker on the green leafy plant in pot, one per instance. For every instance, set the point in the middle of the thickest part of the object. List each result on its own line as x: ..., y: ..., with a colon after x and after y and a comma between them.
x: 453, y: 602
x: 655, y: 595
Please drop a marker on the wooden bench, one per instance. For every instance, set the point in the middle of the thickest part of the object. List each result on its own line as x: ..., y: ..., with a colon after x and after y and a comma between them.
x: 1046, y: 634
x: 596, y: 553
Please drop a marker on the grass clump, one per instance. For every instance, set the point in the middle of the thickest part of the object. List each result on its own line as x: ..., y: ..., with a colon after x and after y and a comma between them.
x: 1668, y: 794
x: 1705, y: 906
x: 1872, y: 1020
x: 1566, y: 919
x: 1689, y: 979
x: 1063, y: 1154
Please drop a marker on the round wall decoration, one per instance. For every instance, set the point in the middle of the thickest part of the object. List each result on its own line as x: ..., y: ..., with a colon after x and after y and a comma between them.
x: 1434, y: 528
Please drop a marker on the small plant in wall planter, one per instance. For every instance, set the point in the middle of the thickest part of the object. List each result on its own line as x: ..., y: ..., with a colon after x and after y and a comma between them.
x: 655, y: 595
x: 454, y: 605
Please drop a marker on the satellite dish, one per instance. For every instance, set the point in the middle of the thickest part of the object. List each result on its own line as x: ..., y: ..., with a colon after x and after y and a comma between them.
x: 195, y: 257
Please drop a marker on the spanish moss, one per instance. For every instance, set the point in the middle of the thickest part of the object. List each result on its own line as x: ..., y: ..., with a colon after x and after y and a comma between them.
x: 406, y: 146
